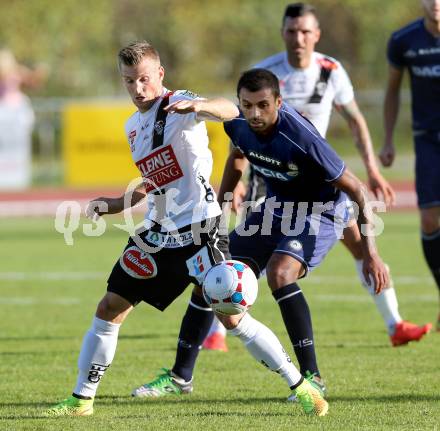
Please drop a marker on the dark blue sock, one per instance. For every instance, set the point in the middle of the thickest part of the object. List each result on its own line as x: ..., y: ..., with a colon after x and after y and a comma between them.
x: 296, y: 316
x: 193, y: 331
x: 431, y: 249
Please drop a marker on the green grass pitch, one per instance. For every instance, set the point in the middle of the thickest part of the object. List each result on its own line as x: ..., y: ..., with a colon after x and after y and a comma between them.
x: 48, y: 294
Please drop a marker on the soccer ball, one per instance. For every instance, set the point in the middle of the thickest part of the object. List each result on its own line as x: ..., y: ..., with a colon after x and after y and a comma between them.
x: 230, y: 287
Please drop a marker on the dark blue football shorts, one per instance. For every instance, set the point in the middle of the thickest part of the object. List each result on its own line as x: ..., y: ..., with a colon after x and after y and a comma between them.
x: 306, y: 237
x: 427, y: 149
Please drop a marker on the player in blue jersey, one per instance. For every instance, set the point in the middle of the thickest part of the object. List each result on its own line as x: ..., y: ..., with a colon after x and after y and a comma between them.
x: 314, y: 83
x: 416, y: 48
x: 302, y: 218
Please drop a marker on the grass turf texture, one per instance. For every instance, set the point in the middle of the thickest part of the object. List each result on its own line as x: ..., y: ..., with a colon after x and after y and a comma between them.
x: 48, y: 293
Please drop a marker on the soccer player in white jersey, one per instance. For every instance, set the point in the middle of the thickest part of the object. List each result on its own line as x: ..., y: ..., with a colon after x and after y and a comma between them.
x: 169, y: 145
x: 314, y: 83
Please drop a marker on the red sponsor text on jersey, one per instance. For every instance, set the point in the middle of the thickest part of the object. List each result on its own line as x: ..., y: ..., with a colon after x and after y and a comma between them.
x: 138, y: 264
x: 159, y: 168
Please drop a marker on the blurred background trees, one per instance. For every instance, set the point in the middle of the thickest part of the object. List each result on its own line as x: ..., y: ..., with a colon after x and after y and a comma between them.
x: 204, y: 44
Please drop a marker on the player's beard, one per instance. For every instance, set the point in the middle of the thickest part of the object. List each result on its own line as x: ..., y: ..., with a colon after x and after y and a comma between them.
x: 257, y: 125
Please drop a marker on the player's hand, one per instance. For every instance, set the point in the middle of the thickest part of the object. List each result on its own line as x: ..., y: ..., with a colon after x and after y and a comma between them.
x: 96, y: 208
x: 183, y: 107
x: 238, y: 197
x: 387, y: 155
x: 375, y: 272
x: 381, y: 188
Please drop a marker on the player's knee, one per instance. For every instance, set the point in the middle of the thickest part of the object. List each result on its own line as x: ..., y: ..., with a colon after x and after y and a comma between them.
x: 113, y: 308
x: 230, y: 322
x: 352, y: 240
x: 430, y: 221
x: 197, y: 290
x: 281, y: 272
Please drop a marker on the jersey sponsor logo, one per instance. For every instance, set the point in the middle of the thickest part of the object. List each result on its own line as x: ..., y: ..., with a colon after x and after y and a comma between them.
x: 160, y: 239
x: 264, y: 158
x: 159, y: 168
x: 138, y: 264
x: 131, y: 138
x: 427, y: 71
x: 272, y: 174
x: 427, y: 51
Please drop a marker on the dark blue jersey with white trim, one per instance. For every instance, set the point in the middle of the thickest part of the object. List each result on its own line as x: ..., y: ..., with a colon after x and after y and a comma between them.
x: 414, y: 48
x: 296, y: 162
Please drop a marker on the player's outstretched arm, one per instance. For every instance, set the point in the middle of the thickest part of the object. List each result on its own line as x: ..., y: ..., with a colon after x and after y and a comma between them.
x: 373, y: 265
x: 235, y: 166
x: 358, y: 125
x: 218, y: 109
x: 390, y: 114
x: 106, y: 205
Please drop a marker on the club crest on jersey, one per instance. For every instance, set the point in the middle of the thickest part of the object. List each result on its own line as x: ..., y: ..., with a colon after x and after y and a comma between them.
x: 138, y: 264
x: 159, y: 126
x: 293, y: 169
x: 159, y: 168
x: 321, y: 87
x: 410, y: 54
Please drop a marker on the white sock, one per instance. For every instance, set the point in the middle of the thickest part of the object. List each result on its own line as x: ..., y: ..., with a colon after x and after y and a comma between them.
x: 386, y: 301
x: 97, y: 352
x: 265, y: 347
x: 217, y: 326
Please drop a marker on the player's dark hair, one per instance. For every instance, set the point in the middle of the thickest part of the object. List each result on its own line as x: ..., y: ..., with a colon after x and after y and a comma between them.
x: 135, y: 52
x: 294, y: 10
x: 258, y: 79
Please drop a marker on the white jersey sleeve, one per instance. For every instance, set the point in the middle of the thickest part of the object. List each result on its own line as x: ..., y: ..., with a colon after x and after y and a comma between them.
x: 342, y: 85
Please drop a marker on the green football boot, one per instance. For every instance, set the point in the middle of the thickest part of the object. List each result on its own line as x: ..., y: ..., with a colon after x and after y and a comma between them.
x: 71, y: 406
x: 311, y: 399
x: 163, y: 384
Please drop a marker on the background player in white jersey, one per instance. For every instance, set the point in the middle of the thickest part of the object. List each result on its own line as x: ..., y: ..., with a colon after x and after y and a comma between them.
x: 416, y: 47
x: 180, y: 229
x: 314, y: 83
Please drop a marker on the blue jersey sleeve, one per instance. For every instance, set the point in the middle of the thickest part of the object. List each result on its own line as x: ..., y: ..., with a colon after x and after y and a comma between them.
x: 227, y: 125
x: 326, y: 157
x: 395, y: 52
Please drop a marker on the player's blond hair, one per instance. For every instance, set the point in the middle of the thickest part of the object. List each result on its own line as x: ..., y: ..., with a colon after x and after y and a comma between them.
x: 135, y: 52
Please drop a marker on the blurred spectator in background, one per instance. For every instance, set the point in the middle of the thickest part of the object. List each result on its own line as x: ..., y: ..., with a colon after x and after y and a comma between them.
x: 16, y: 120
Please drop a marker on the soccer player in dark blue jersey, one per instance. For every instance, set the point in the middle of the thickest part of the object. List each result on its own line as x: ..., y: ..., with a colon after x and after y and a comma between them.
x: 300, y: 170
x: 416, y: 48
x: 302, y: 218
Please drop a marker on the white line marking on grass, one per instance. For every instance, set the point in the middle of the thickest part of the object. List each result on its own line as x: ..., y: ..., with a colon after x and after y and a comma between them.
x: 101, y: 275
x: 52, y: 276
x: 367, y: 298
x: 27, y: 300
x: 340, y: 279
